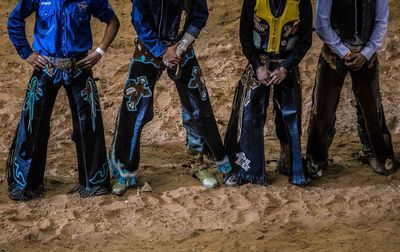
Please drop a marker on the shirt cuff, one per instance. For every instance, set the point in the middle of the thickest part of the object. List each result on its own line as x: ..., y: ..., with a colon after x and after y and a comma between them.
x: 342, y: 51
x: 25, y: 52
x: 367, y: 52
x: 159, y: 49
x: 193, y: 30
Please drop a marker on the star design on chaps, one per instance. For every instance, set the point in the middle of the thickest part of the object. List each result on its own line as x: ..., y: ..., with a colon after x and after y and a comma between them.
x: 198, y: 82
x: 135, y: 90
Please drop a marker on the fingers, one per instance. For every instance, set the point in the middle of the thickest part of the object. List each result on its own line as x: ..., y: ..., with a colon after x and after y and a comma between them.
x: 38, y: 62
x: 355, y: 65
x: 41, y: 61
x: 273, y: 77
x: 351, y: 57
x: 83, y: 61
x: 272, y: 81
x: 89, y: 61
x: 176, y: 58
x: 276, y: 77
x: 171, y: 61
x: 36, y: 67
x: 174, y: 63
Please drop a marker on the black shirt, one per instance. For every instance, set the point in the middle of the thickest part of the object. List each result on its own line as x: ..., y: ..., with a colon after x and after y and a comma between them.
x: 303, y: 44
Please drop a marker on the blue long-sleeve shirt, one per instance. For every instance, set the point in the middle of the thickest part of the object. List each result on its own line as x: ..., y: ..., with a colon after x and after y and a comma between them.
x: 328, y: 35
x: 62, y: 27
x: 157, y: 21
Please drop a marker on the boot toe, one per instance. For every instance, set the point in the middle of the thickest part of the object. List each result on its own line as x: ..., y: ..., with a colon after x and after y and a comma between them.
x: 119, y: 188
x: 210, y: 182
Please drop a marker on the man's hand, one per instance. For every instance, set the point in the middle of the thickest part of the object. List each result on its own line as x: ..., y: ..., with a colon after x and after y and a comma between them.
x: 170, y: 58
x: 277, y: 76
x: 355, y: 61
x: 38, y: 62
x: 262, y: 75
x: 90, y: 60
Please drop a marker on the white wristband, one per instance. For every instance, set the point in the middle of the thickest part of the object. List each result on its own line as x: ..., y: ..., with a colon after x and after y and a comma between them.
x: 100, y: 51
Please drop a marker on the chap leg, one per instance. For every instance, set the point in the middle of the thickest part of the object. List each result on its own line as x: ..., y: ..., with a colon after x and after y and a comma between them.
x: 371, y: 114
x: 287, y: 97
x: 326, y: 94
x: 194, y: 98
x: 194, y: 141
x: 244, y: 138
x: 94, y: 178
x: 28, y: 154
x: 136, y: 110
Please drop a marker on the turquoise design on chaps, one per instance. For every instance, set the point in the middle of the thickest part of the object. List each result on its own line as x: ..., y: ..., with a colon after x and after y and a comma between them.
x: 198, y: 82
x: 76, y: 72
x: 134, y: 91
x: 46, y: 70
x: 58, y: 74
x: 100, y: 176
x: 189, y: 55
x: 142, y: 59
x: 90, y: 95
x: 34, y: 93
x: 18, y: 176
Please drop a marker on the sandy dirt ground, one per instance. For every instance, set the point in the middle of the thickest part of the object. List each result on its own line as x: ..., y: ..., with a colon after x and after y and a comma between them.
x: 350, y: 209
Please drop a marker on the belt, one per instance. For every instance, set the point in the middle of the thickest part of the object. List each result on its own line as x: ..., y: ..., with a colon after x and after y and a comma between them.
x: 63, y: 64
x: 266, y: 59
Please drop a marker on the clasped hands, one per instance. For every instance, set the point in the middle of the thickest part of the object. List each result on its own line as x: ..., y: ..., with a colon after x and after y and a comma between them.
x: 355, y: 61
x: 170, y: 58
x: 265, y: 77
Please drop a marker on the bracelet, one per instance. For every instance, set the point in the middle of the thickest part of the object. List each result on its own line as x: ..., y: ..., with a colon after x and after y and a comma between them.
x: 100, y: 51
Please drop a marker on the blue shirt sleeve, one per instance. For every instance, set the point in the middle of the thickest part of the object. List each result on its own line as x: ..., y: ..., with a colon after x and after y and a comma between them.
x: 16, y: 26
x: 380, y: 28
x: 324, y: 29
x: 143, y: 23
x: 102, y: 10
x: 197, y: 17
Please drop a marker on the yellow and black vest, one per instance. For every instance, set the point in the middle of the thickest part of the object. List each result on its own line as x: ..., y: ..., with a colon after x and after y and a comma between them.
x: 276, y: 35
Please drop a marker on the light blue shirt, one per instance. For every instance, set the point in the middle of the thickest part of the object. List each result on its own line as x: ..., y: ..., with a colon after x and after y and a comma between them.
x: 328, y: 35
